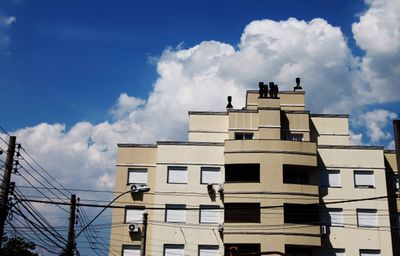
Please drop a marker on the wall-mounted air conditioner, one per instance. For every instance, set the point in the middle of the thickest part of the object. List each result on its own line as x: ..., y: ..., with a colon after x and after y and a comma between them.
x: 139, y: 188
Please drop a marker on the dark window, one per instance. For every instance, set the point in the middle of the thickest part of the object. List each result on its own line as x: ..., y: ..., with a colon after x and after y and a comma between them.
x: 301, y: 213
x: 242, y: 248
x: 242, y: 173
x: 298, y: 250
x: 295, y: 174
x: 242, y: 212
x: 243, y: 136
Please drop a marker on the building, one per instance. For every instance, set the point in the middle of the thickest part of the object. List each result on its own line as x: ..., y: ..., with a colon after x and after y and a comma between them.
x: 268, y: 177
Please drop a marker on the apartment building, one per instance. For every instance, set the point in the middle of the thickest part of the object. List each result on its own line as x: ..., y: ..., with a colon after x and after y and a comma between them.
x: 267, y: 177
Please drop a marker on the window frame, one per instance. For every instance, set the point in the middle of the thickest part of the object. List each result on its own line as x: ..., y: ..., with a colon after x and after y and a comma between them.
x: 173, y: 246
x: 129, y: 246
x: 371, y: 251
x: 327, y: 173
x: 210, y: 167
x: 132, y: 207
x: 367, y: 210
x: 207, y: 246
x: 355, y: 172
x: 176, y: 207
x: 244, y: 135
x: 131, y: 170
x: 214, y: 207
x: 180, y: 168
x: 244, y: 210
x: 329, y: 210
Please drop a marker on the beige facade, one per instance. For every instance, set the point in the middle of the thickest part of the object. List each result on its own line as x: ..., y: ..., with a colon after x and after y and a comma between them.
x: 268, y: 177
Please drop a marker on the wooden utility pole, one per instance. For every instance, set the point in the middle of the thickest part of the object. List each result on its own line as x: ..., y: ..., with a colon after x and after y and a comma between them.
x: 5, y: 187
x: 144, y: 231
x: 71, y: 228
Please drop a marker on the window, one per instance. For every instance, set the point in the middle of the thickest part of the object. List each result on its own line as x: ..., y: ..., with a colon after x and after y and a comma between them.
x: 298, y: 250
x: 134, y: 214
x: 295, y: 136
x: 210, y: 175
x: 301, y: 213
x: 242, y: 248
x: 243, y: 136
x: 130, y: 250
x: 175, y: 213
x: 367, y: 218
x: 209, y: 214
x: 242, y: 212
x: 334, y: 252
x: 331, y: 178
x: 333, y: 217
x: 364, y: 179
x: 137, y: 176
x: 296, y: 174
x: 242, y: 173
x: 174, y: 250
x: 370, y: 252
x: 208, y: 250
x: 177, y: 174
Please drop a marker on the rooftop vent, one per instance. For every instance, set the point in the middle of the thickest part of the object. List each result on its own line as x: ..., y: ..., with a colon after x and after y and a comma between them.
x: 298, y: 86
x: 229, y: 102
x: 263, y: 91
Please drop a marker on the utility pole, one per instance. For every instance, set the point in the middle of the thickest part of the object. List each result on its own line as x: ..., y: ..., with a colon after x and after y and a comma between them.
x: 6, y: 185
x: 71, y: 227
x: 143, y: 244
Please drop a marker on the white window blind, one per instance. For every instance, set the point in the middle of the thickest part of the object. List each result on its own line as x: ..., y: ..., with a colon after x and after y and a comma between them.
x: 174, y: 250
x: 175, y: 213
x: 177, y: 174
x: 370, y: 253
x: 137, y: 176
x: 336, y: 217
x: 131, y: 251
x: 334, y: 179
x: 367, y: 218
x: 134, y: 215
x: 210, y: 175
x: 209, y: 214
x: 364, y: 178
x: 211, y: 250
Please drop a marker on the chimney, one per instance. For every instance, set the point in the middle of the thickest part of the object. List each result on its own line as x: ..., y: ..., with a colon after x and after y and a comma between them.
x: 298, y: 86
x: 271, y: 89
x: 229, y: 102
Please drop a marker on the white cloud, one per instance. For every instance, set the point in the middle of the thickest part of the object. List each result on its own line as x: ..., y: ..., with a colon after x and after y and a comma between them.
x: 356, y: 138
x: 378, y: 124
x: 378, y: 33
x: 5, y: 23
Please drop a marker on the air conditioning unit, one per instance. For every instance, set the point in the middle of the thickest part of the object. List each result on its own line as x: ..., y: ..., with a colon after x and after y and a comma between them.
x: 139, y: 188
x: 324, y: 230
x: 133, y: 228
x: 221, y: 187
x: 221, y: 227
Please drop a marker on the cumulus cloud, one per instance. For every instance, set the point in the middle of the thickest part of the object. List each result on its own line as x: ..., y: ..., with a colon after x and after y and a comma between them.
x: 200, y: 77
x: 377, y: 122
x: 378, y: 33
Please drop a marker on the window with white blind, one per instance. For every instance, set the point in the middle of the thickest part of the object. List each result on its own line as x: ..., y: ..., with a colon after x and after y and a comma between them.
x: 334, y: 252
x: 210, y: 175
x: 177, y: 174
x: 174, y: 250
x: 370, y: 252
x: 209, y: 214
x: 175, y: 213
x: 364, y: 179
x: 331, y: 178
x: 208, y: 250
x: 335, y: 217
x: 130, y: 250
x: 367, y: 218
x: 134, y: 214
x: 137, y: 176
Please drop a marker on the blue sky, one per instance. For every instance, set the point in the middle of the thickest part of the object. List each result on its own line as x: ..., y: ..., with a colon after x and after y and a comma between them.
x: 69, y: 60
x: 77, y: 77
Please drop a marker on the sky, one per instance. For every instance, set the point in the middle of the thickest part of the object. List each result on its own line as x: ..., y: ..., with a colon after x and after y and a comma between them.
x: 78, y: 77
